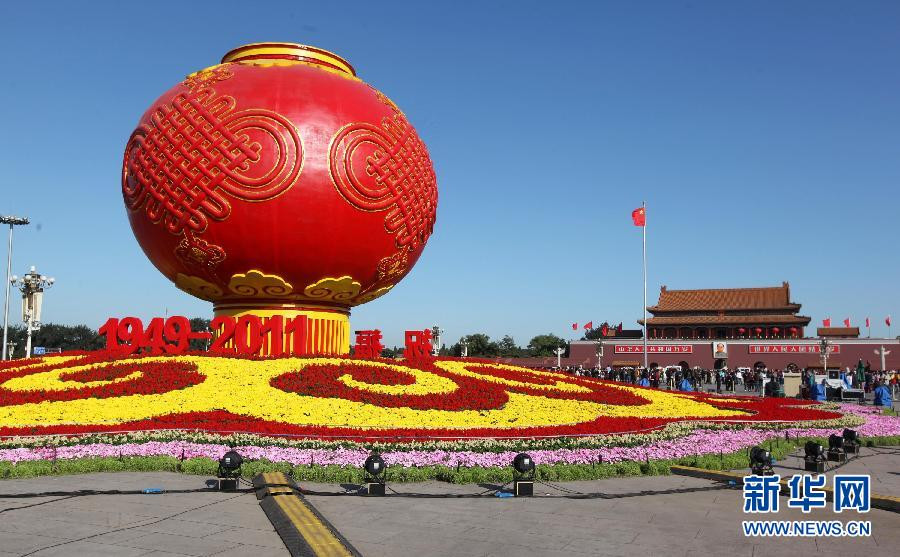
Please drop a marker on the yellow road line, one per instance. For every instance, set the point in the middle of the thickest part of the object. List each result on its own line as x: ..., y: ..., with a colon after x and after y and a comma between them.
x: 316, y: 534
x: 277, y: 489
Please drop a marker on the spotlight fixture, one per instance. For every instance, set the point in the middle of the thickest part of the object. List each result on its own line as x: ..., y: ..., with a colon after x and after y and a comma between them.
x: 815, y: 457
x: 836, y: 448
x: 761, y: 462
x: 374, y: 468
x: 523, y: 475
x: 229, y: 470
x: 851, y: 441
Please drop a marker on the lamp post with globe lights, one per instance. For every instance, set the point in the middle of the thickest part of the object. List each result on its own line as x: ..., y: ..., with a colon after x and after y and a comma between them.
x: 32, y: 286
x: 11, y: 221
x: 559, y: 352
x: 824, y: 347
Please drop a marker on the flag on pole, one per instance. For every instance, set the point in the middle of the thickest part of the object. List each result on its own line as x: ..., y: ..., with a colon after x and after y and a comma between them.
x: 619, y: 328
x: 604, y: 329
x: 867, y: 323
x: 887, y: 320
x: 589, y: 325
x: 574, y: 326
x: 639, y: 216
x: 847, y: 322
x: 826, y: 322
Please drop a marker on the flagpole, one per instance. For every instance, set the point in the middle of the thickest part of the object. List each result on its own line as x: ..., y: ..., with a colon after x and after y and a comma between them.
x: 644, y: 207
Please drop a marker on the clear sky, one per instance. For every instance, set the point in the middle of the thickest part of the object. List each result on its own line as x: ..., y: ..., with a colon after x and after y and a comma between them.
x: 764, y: 137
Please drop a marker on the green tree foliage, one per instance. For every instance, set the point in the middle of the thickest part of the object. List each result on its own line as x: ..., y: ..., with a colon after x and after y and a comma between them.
x: 544, y: 345
x: 509, y: 348
x: 480, y: 345
x: 53, y: 336
x: 199, y: 324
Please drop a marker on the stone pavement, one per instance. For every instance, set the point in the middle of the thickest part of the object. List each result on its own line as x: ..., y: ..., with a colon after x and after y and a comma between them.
x: 47, y: 517
x: 666, y: 515
x: 642, y: 516
x: 881, y: 463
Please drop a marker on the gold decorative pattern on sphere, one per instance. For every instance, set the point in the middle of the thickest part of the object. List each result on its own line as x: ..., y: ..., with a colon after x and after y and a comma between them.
x: 341, y: 289
x: 198, y: 287
x: 257, y: 283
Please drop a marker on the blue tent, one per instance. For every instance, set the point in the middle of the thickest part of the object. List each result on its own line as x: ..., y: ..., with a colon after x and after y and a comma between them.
x: 644, y: 382
x: 820, y: 393
x: 846, y: 380
x: 685, y: 385
x: 883, y: 397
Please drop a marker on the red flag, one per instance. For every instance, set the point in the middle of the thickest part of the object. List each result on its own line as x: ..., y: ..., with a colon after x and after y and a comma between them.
x: 639, y: 216
x: 589, y: 325
x: 887, y: 320
x: 619, y: 328
x: 574, y: 326
x: 604, y: 329
x: 826, y: 322
x: 847, y: 322
x: 867, y: 323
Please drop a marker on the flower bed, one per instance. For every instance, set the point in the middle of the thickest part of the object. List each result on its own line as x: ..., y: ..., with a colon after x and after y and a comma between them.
x: 332, y: 412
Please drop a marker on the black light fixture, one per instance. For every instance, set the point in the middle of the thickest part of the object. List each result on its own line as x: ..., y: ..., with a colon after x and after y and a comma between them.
x: 374, y: 468
x: 229, y: 470
x: 815, y: 457
x: 761, y: 462
x: 523, y: 475
x: 836, y: 448
x: 851, y: 442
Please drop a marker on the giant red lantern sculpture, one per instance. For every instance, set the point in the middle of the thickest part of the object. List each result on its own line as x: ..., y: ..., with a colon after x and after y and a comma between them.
x: 279, y: 183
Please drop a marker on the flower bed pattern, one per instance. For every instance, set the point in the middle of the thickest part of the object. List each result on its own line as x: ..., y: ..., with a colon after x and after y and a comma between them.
x: 343, y: 398
x: 321, y: 417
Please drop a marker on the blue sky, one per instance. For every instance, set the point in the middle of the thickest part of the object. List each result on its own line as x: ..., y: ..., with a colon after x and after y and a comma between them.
x: 764, y: 137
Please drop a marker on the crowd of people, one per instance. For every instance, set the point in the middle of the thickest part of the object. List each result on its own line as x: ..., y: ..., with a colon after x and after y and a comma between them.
x: 760, y: 380
x: 677, y: 378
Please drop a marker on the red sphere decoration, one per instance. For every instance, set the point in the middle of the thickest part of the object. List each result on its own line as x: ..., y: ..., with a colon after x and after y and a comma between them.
x: 278, y: 183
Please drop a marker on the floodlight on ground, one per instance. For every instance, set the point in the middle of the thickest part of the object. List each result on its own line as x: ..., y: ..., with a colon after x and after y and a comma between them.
x: 815, y: 457
x: 523, y: 475
x: 374, y: 468
x: 836, y: 448
x: 851, y: 441
x: 761, y: 462
x: 229, y: 470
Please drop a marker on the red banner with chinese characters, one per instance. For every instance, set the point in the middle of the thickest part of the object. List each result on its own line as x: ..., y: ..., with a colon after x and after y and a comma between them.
x: 792, y: 349
x: 665, y: 349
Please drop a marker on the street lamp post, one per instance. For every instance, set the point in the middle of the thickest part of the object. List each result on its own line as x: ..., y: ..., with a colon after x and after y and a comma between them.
x: 436, y: 333
x: 824, y: 346
x: 11, y: 221
x: 559, y: 352
x: 882, y: 352
x: 32, y: 286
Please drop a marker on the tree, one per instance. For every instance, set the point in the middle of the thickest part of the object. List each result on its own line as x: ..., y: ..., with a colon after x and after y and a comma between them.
x: 545, y: 345
x: 597, y: 332
x: 509, y: 348
x: 53, y: 336
x: 198, y: 324
x: 479, y: 345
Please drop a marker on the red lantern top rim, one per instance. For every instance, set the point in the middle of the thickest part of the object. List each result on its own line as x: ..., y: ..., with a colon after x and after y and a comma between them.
x: 289, y: 51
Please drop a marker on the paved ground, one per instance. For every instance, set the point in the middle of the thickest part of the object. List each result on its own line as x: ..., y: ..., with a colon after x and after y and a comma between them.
x: 881, y: 463
x: 703, y: 519
x: 672, y: 515
x: 47, y: 517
